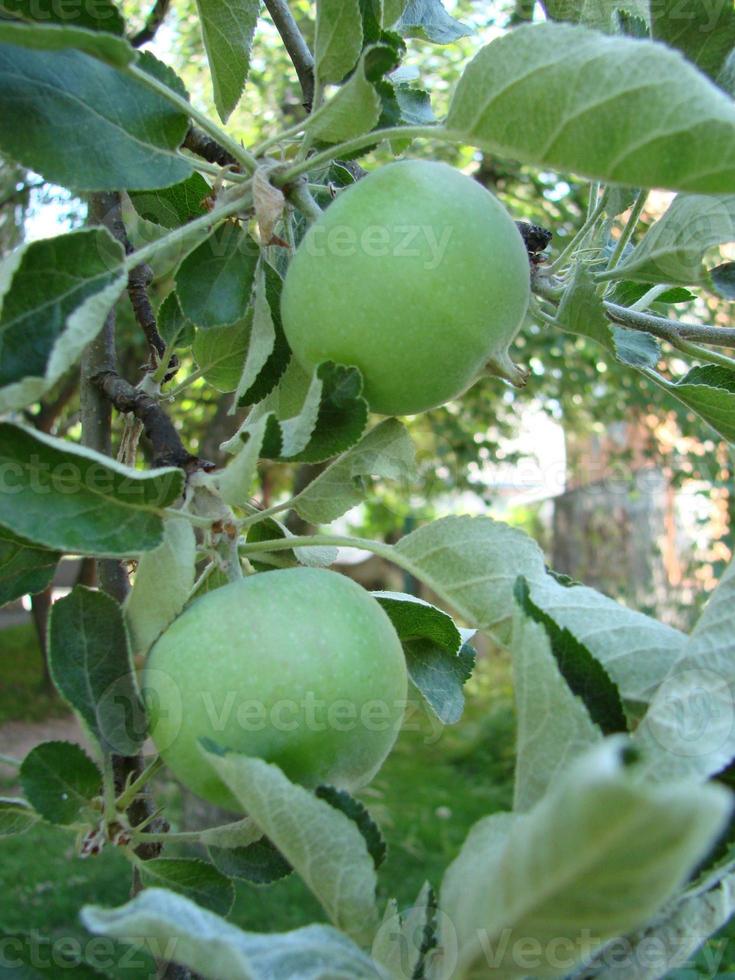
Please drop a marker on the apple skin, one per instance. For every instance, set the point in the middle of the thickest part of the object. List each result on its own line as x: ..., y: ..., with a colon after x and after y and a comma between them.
x: 418, y: 276
x: 248, y: 666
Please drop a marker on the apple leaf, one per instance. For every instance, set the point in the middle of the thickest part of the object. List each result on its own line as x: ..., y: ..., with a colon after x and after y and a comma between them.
x: 705, y: 33
x: 100, y: 16
x: 723, y: 280
x: 636, y: 651
x: 624, y: 111
x: 581, y: 311
x: 429, y: 21
x: 392, y: 11
x: 354, y: 109
x: 66, y: 36
x: 689, y: 729
x: 338, y: 38
x: 16, y: 817
x: 314, y: 556
x: 592, y: 860
x: 163, y: 583
x: 220, y: 352
x: 325, y: 848
x: 472, y: 564
x: 356, y: 811
x: 635, y: 348
x: 260, y: 863
x: 213, y: 947
x: 386, y: 451
x: 171, y: 207
x: 672, y: 248
x: 595, y: 13
x: 76, y: 500
x: 710, y: 392
x: 125, y: 134
x: 173, y: 326
x: 586, y: 677
x: 192, y: 878
x: 239, y: 834
x: 59, y: 780
x: 554, y: 726
x: 235, y: 482
x: 89, y: 660
x: 266, y: 365
x: 228, y: 27
x: 214, y: 283
x: 25, y: 569
x: 670, y: 940
x: 405, y: 939
x: 54, y: 297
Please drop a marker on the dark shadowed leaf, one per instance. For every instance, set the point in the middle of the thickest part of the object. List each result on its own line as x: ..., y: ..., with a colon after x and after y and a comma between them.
x: 90, y: 662
x: 24, y: 567
x: 59, y: 780
x: 214, y: 283
x: 194, y: 879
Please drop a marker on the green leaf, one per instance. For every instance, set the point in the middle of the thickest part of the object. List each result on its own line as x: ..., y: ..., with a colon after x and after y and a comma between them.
x: 215, y: 281
x: 55, y: 37
x: 59, y: 780
x: 260, y: 863
x: 439, y: 660
x: 125, y: 135
x: 625, y: 293
x: 689, y: 729
x: 329, y: 414
x: 710, y: 392
x: 100, y: 16
x: 428, y: 20
x: 595, y: 13
x: 173, y: 326
x: 671, y: 939
x: 16, y: 817
x: 89, y: 659
x: 75, y: 500
x: 615, y: 109
x: 594, y: 859
x: 405, y: 939
x: 705, y: 33
x: 341, y: 800
x: 269, y: 530
x: 25, y: 569
x: 239, y: 834
x: 228, y: 27
x: 392, y: 11
x: 635, y: 348
x: 353, y: 110
x: 194, y: 879
x: 54, y: 297
x: 723, y: 280
x: 173, y: 206
x: 554, y: 725
x: 266, y: 377
x: 472, y: 563
x: 585, y: 676
x: 262, y: 340
x: 338, y: 38
x: 414, y: 105
x: 215, y: 948
x: 235, y: 482
x: 325, y: 848
x: 220, y: 352
x: 163, y: 583
x: 386, y: 451
x: 581, y: 311
x: 672, y: 248
x: 636, y: 651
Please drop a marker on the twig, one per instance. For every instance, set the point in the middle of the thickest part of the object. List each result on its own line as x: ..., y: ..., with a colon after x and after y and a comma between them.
x: 155, y: 18
x: 168, y: 449
x: 297, y: 48
x: 670, y: 330
x: 208, y: 149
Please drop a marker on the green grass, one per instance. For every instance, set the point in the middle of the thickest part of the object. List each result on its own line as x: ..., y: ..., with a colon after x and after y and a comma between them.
x: 23, y: 694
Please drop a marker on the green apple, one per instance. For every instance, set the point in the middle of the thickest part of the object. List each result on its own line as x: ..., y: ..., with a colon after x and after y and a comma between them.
x: 299, y: 666
x: 418, y: 276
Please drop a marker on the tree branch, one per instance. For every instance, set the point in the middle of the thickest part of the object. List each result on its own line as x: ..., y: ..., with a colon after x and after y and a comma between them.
x: 208, y: 149
x: 168, y: 449
x: 297, y: 48
x: 155, y: 18
x: 670, y: 330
